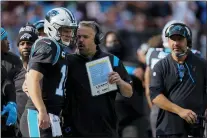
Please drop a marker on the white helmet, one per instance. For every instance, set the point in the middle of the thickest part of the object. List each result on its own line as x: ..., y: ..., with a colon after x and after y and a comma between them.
x: 56, y: 18
x: 164, y: 39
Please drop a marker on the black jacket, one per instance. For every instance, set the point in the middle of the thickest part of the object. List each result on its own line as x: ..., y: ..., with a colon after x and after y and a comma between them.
x: 12, y: 63
x: 91, y: 115
x: 7, y: 88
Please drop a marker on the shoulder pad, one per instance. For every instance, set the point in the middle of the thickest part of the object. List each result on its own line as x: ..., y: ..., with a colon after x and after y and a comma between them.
x: 47, y: 47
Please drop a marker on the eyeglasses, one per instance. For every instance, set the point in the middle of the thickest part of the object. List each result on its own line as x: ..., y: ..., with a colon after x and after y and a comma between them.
x: 181, y: 71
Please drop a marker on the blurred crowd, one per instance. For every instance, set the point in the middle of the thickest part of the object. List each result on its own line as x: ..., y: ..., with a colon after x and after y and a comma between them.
x: 140, y: 16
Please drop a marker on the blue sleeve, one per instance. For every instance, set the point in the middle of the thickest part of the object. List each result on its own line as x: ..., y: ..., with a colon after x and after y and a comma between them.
x: 119, y: 68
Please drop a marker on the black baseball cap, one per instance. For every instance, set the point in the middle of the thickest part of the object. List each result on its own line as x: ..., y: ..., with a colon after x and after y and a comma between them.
x: 178, y: 30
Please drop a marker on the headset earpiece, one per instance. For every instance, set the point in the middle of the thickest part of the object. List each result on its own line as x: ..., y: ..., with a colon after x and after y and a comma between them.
x: 99, y: 35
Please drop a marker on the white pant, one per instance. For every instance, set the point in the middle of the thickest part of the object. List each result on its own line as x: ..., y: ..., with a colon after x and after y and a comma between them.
x: 153, y: 119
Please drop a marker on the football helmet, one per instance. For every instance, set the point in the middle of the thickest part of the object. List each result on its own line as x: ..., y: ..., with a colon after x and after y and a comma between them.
x: 57, y: 18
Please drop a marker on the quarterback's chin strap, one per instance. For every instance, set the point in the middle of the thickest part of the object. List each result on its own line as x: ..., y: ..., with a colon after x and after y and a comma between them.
x: 66, y: 43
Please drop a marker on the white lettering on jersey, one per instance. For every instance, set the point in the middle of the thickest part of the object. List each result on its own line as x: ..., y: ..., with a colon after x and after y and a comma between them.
x: 47, y: 42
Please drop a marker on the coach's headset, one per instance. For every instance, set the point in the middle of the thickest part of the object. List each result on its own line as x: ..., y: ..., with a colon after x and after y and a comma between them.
x: 99, y: 35
x: 187, y: 33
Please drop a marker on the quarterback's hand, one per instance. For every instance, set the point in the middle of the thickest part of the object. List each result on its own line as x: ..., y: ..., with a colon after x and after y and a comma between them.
x: 44, y: 120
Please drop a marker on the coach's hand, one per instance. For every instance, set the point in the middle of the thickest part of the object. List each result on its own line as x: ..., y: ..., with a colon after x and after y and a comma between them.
x: 44, y: 120
x: 188, y: 115
x: 114, y: 78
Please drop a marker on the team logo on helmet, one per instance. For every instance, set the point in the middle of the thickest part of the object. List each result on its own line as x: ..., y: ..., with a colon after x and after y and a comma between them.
x: 53, y: 13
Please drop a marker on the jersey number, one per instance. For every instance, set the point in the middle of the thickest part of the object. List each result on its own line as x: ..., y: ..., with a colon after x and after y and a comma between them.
x: 60, y: 89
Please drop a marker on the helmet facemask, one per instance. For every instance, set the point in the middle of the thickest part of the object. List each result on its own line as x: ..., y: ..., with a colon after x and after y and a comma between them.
x: 67, y: 35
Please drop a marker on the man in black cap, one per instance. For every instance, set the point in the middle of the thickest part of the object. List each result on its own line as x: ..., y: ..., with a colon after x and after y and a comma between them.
x: 178, y: 87
x: 27, y: 36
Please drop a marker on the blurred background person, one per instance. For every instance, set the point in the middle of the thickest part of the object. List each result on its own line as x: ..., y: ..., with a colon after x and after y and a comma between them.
x: 142, y: 51
x: 9, y: 60
x: 129, y: 110
x: 113, y: 44
x: 12, y: 65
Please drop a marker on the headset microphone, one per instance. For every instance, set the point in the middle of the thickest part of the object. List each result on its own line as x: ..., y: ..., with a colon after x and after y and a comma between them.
x: 181, y: 54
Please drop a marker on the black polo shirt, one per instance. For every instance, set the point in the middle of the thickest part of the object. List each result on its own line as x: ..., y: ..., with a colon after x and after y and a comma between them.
x: 21, y: 97
x: 189, y: 93
x: 91, y: 115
